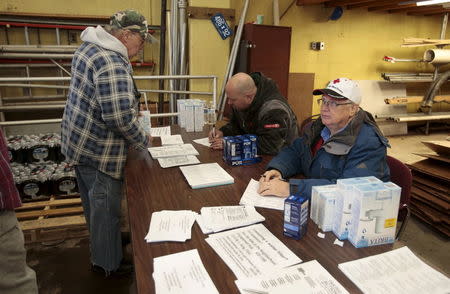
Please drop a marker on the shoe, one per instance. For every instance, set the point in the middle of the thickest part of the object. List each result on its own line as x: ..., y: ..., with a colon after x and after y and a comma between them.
x: 123, y: 270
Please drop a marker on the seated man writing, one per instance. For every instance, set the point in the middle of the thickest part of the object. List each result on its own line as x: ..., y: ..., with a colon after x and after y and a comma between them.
x: 344, y: 142
x: 259, y: 109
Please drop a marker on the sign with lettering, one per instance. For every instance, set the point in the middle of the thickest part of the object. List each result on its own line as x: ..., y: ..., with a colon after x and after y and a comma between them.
x: 221, y: 25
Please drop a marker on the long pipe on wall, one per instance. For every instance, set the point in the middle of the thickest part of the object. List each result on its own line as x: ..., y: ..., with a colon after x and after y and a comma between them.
x: 162, y: 53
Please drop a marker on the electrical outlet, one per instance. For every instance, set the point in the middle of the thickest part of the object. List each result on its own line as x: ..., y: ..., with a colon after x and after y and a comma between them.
x: 313, y: 45
x: 317, y: 45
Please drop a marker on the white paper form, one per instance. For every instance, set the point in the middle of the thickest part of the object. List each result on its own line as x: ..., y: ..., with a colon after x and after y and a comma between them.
x: 253, y: 198
x: 206, y: 175
x: 310, y: 277
x: 219, y: 218
x: 203, y: 141
x: 171, y: 140
x: 161, y: 131
x: 182, y: 273
x: 165, y: 162
x: 172, y: 150
x: 397, y: 271
x: 252, y: 251
x: 170, y: 225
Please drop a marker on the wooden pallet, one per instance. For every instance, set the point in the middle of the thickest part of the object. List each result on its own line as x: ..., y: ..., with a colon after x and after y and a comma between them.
x: 52, y: 220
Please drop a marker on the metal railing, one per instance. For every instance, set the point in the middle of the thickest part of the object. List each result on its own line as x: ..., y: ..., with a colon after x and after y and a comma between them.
x: 26, y: 106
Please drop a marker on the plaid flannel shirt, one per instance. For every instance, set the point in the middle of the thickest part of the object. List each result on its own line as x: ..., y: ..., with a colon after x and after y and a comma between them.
x: 100, y: 117
x: 9, y: 196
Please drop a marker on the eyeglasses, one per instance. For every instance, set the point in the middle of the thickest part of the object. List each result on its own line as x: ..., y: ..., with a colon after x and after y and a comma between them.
x: 330, y: 103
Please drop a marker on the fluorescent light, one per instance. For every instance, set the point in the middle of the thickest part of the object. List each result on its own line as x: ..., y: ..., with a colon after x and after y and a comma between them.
x: 431, y: 2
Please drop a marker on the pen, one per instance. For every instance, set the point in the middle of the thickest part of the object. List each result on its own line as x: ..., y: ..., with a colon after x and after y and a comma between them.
x: 214, y: 131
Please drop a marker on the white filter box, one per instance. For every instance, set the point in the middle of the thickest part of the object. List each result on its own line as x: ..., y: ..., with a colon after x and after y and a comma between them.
x: 181, y: 112
x: 189, y: 116
x: 342, y: 214
x: 315, y: 199
x: 327, y: 200
x: 199, y: 116
x: 374, y: 214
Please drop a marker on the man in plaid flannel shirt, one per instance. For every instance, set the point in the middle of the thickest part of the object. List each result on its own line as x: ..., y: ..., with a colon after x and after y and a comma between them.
x: 100, y: 124
x: 15, y: 275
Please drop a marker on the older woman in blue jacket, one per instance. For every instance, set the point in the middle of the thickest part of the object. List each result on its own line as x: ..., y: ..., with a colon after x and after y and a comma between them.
x: 344, y: 142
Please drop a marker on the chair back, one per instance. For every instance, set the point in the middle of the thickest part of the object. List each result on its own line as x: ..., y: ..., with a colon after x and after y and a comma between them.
x: 401, y: 176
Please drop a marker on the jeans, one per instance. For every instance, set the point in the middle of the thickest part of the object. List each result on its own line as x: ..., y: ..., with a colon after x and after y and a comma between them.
x: 101, y: 198
x: 16, y: 277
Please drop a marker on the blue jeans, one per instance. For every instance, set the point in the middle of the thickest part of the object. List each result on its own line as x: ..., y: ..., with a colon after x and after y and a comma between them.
x: 101, y: 198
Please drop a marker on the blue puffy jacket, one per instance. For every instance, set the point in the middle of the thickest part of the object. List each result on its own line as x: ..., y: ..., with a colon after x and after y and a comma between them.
x: 357, y: 151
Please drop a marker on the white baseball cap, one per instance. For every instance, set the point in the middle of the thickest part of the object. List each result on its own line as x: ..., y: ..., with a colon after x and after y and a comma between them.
x: 342, y: 88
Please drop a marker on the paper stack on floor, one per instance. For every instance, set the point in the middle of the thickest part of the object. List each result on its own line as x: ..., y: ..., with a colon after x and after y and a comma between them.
x: 171, y: 225
x: 182, y: 273
x: 220, y: 218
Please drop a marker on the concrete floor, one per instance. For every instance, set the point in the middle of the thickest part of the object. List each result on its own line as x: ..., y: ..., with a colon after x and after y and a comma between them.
x: 64, y: 267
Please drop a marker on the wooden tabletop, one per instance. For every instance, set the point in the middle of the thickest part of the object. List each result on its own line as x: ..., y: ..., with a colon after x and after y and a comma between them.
x: 150, y: 188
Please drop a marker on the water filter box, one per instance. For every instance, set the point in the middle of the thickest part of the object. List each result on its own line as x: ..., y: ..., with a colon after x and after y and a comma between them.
x: 327, y: 200
x: 315, y: 199
x: 295, y: 216
x: 189, y: 116
x: 199, y: 118
x: 342, y: 214
x: 374, y: 214
x: 145, y: 121
x: 181, y: 106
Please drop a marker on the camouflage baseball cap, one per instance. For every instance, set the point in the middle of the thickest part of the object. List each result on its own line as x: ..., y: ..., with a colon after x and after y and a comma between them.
x: 133, y: 21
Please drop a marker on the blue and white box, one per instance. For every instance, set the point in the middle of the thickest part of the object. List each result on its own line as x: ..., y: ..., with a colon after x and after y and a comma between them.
x: 374, y: 214
x: 327, y: 203
x: 295, y: 216
x: 343, y: 212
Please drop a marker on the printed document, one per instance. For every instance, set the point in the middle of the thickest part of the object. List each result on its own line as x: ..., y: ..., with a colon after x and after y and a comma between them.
x: 220, y: 218
x: 165, y: 162
x: 252, y: 251
x: 172, y: 150
x: 206, y: 175
x: 160, y: 131
x: 253, y: 198
x: 171, y: 140
x: 311, y: 277
x: 171, y: 225
x: 395, y: 272
x: 182, y: 273
x: 203, y: 141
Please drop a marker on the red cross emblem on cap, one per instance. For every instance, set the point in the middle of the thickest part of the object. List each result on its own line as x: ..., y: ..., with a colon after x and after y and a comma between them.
x: 336, y: 81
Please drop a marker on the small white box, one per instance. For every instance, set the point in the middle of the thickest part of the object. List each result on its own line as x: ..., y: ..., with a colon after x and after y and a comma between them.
x: 315, y: 199
x: 327, y: 201
x: 181, y: 112
x: 199, y: 116
x: 342, y: 214
x: 189, y: 116
x: 374, y: 214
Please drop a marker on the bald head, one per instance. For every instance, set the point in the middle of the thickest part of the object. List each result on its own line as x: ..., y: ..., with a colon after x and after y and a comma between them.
x: 240, y: 90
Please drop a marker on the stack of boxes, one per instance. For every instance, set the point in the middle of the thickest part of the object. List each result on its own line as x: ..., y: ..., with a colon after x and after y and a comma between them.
x: 240, y: 150
x: 363, y: 210
x: 192, y: 114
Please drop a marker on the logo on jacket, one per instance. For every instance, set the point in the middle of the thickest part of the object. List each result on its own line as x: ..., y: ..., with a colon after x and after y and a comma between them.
x: 272, y: 126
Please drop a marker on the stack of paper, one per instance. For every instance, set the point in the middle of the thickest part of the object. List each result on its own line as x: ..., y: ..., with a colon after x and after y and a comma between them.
x: 253, y: 198
x: 165, y: 162
x: 171, y: 140
x: 171, y: 225
x: 220, y: 218
x: 395, y: 272
x: 172, y: 150
x: 252, y: 251
x: 310, y: 277
x: 206, y: 175
x: 158, y: 132
x: 182, y: 273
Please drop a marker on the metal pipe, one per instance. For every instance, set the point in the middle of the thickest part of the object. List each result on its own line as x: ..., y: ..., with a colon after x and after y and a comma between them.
x: 276, y: 13
x: 162, y: 50
x: 30, y: 122
x: 47, y: 97
x: 60, y: 67
x: 215, y: 98
x: 16, y: 65
x: 177, y: 92
x: 435, y: 116
x: 182, y: 20
x: 35, y: 55
x: 58, y: 79
x: 31, y: 107
x: 231, y: 61
x: 35, y: 86
x: 34, y: 49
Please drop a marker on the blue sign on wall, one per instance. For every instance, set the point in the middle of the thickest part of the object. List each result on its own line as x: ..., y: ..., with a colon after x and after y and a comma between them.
x: 221, y: 25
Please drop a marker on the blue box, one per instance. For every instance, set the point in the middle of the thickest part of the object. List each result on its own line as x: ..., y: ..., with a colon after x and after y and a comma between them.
x: 240, y: 150
x: 295, y: 214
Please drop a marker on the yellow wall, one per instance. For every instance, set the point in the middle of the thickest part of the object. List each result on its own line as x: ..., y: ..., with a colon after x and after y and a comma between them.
x: 354, y: 45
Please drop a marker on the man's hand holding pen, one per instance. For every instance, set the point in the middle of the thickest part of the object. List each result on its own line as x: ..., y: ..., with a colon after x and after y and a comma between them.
x: 215, y: 138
